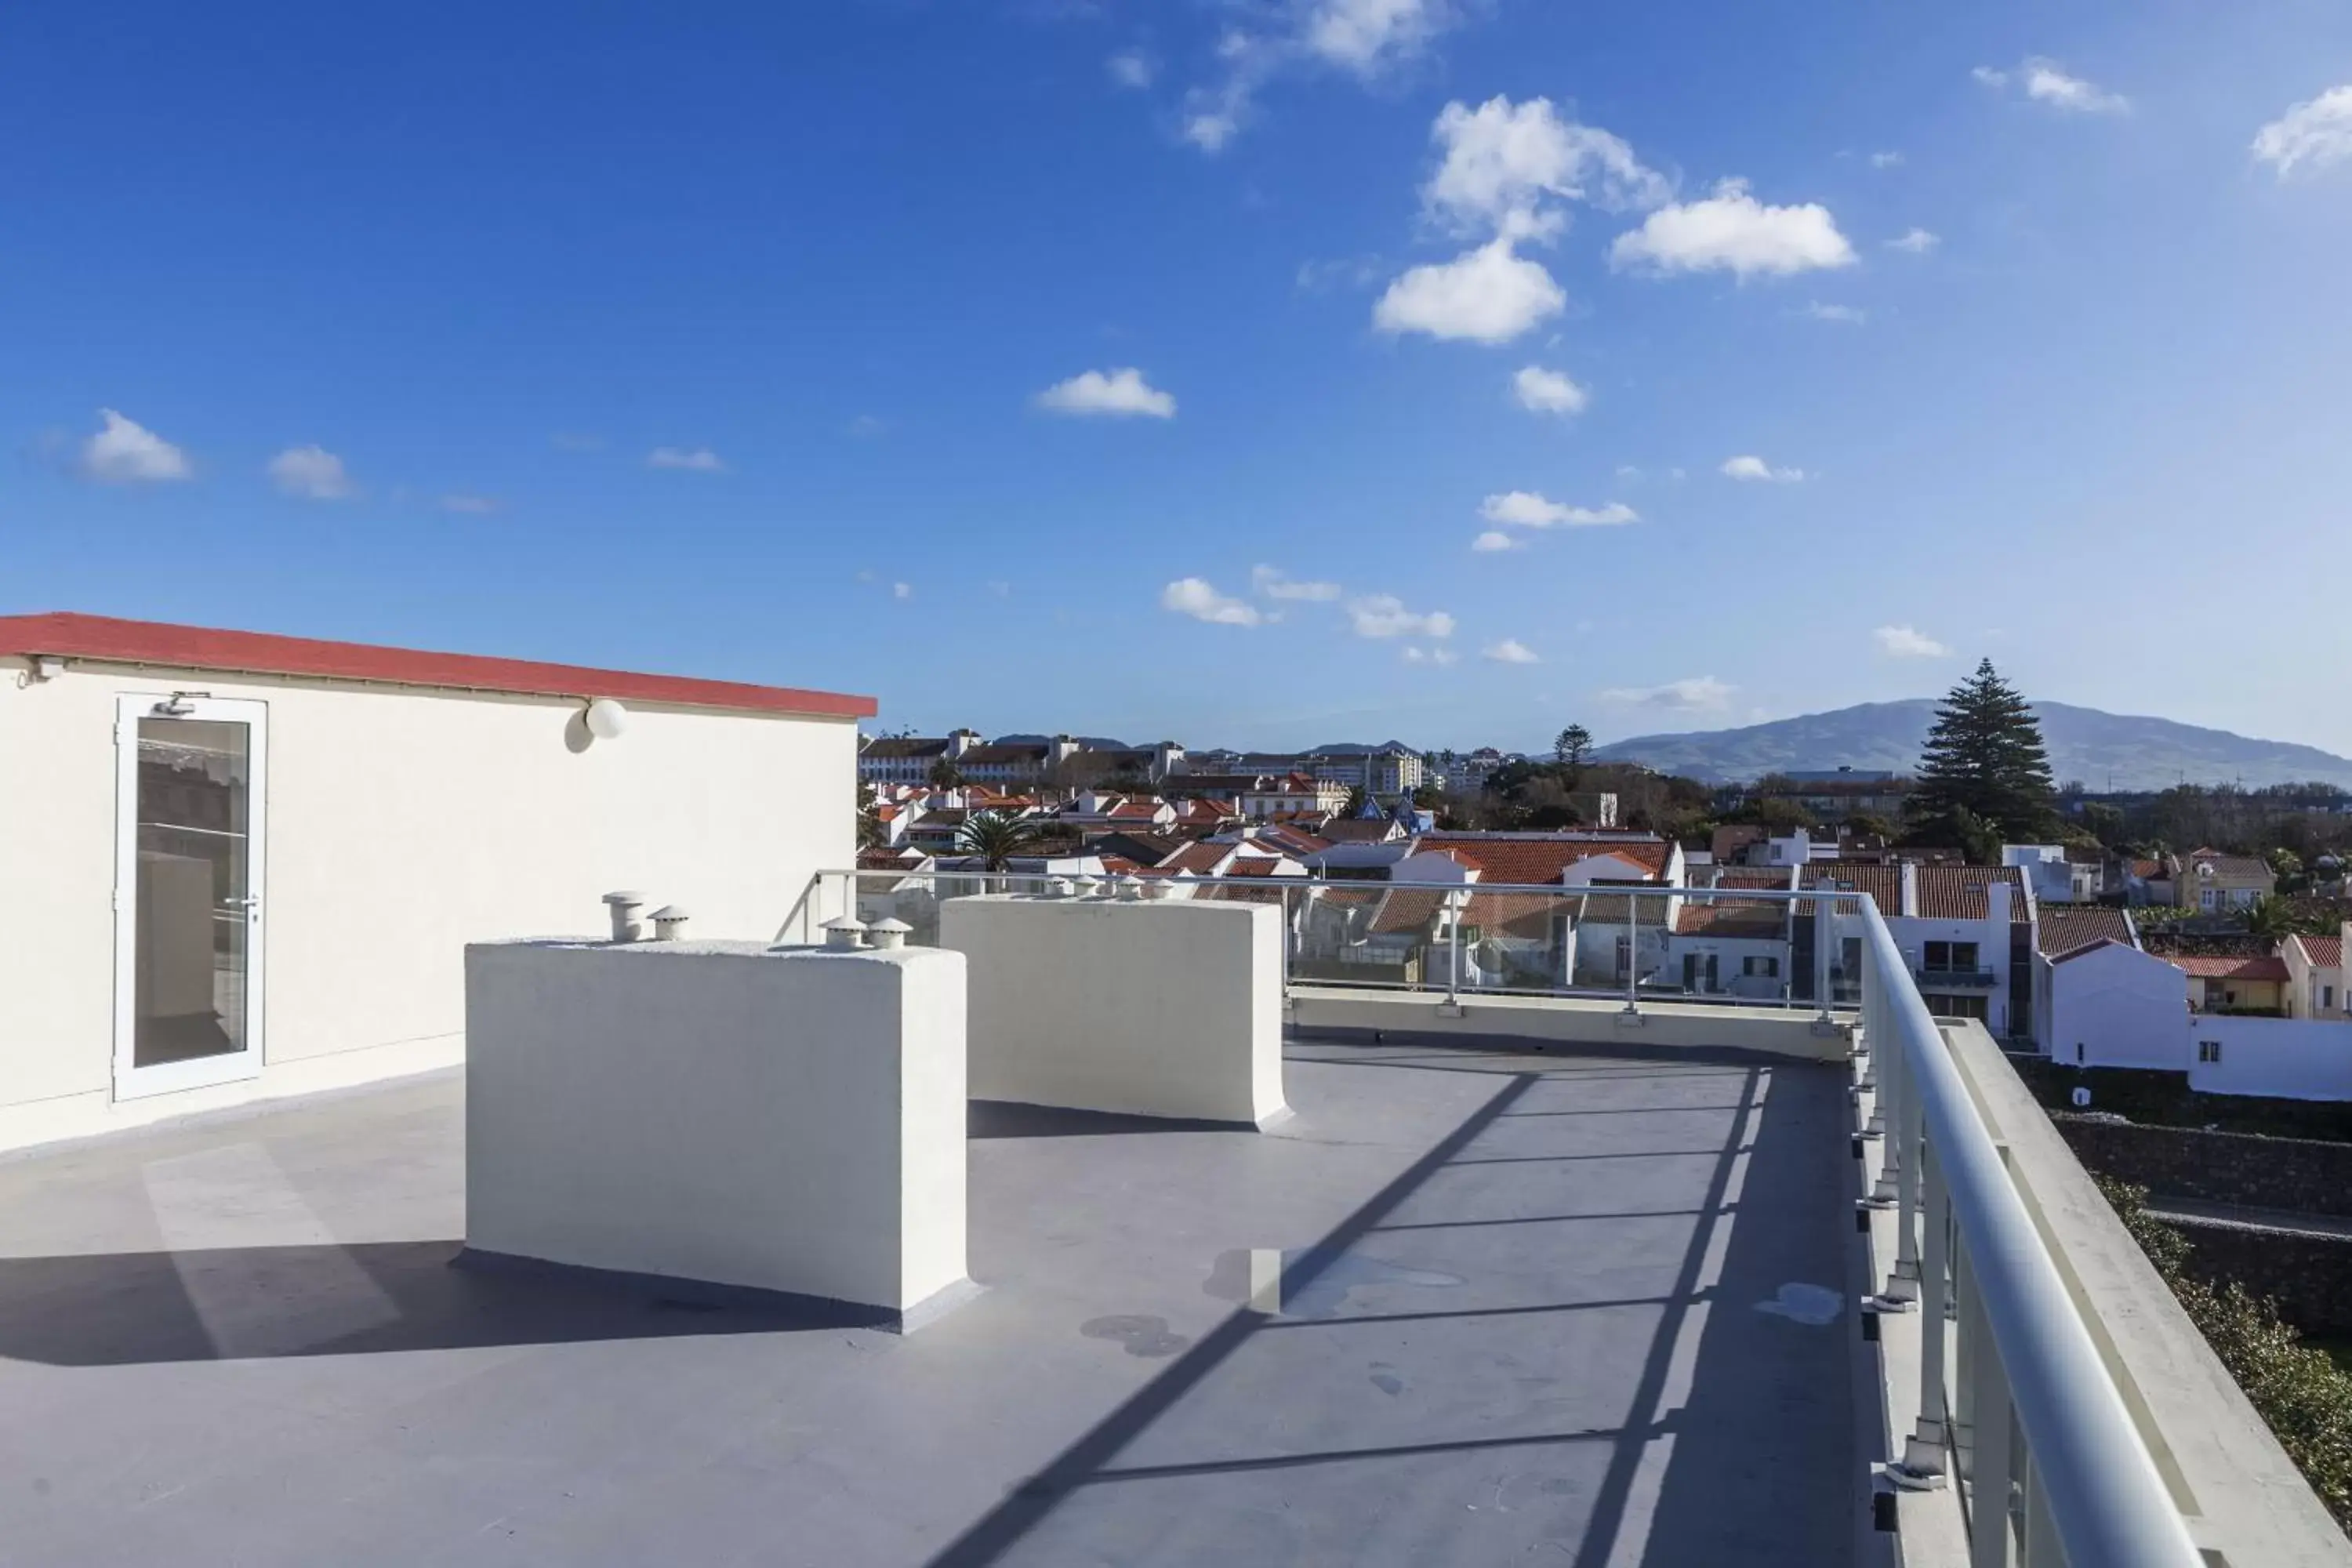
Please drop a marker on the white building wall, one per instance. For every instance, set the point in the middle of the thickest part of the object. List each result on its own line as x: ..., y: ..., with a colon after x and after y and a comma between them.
x: 1912, y: 933
x: 2115, y: 1006
x: 2290, y: 1059
x: 402, y: 824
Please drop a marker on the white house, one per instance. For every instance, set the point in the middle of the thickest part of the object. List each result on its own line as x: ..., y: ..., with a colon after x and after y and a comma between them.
x: 246, y: 864
x: 2315, y: 977
x: 1965, y: 931
x: 2055, y: 877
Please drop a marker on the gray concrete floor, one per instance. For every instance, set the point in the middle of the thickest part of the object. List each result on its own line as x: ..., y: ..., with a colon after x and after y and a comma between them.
x: 1533, y: 1309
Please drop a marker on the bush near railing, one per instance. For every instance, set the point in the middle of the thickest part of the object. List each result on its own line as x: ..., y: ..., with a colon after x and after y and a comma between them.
x: 2300, y: 1392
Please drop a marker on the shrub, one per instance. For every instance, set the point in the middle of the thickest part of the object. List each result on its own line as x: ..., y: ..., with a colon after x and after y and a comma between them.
x: 2300, y: 1393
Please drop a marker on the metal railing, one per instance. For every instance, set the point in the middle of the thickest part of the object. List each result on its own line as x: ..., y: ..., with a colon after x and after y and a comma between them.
x: 2018, y: 1418
x: 2016, y: 1407
x: 1622, y: 941
x: 1957, y: 979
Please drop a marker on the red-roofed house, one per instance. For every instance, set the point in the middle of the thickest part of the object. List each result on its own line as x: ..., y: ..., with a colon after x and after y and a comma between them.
x: 257, y: 859
x: 2315, y: 977
x: 2233, y: 983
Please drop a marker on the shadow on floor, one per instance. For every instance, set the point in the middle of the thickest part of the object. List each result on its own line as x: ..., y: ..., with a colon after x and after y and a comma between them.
x: 1722, y: 1433
x: 990, y: 1119
x: 231, y: 1303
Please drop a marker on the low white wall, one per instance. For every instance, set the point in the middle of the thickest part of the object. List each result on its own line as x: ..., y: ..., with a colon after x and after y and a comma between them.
x: 717, y: 1113
x: 1559, y: 1020
x: 1154, y: 1009
x: 402, y: 824
x: 2292, y: 1059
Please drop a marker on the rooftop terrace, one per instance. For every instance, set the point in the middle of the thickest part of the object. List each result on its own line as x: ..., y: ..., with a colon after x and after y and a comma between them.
x: 1530, y: 1307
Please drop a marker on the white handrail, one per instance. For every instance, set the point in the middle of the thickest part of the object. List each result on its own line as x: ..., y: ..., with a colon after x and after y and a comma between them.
x: 2106, y: 1503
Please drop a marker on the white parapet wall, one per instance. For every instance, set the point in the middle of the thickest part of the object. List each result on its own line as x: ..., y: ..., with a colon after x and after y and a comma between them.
x: 723, y: 1115
x: 1152, y: 1009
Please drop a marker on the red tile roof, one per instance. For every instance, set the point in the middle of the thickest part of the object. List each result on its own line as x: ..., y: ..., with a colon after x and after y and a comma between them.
x: 2228, y: 966
x: 106, y: 640
x: 2326, y: 952
x: 2064, y: 928
x: 1732, y: 918
x: 1201, y: 860
x: 1884, y: 883
x: 1536, y: 861
x: 1958, y: 892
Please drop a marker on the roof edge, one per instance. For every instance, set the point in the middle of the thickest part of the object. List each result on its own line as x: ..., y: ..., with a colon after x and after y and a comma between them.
x: 106, y: 639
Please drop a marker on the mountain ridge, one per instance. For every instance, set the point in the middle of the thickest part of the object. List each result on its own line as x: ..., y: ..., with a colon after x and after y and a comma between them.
x: 2101, y: 750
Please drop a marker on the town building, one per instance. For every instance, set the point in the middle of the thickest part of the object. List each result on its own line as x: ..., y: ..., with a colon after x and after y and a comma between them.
x: 255, y: 859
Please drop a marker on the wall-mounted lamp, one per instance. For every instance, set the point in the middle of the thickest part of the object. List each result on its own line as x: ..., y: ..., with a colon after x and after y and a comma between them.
x: 176, y: 706
x: 606, y: 719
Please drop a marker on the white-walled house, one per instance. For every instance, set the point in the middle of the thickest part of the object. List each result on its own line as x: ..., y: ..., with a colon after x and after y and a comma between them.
x: 2315, y: 977
x: 2109, y: 1005
x: 246, y: 864
x: 1965, y: 932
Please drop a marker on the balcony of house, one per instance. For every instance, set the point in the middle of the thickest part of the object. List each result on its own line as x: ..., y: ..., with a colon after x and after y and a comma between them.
x: 1517, y: 1270
x: 1956, y: 979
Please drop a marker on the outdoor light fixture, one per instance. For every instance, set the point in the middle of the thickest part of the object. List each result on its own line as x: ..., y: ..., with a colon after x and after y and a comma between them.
x: 176, y: 706
x: 606, y: 719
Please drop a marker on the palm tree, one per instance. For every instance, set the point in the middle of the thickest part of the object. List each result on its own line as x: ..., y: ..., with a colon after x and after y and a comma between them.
x: 995, y: 837
x: 945, y: 773
x: 870, y: 835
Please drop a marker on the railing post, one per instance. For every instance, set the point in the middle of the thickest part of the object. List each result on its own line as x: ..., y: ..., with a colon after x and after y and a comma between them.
x: 1454, y: 903
x: 1633, y: 1014
x: 1990, y: 1485
x: 1822, y: 938
x: 1923, y: 1463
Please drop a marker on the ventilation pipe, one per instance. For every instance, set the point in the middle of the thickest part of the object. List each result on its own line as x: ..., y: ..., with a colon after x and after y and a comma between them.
x: 624, y: 907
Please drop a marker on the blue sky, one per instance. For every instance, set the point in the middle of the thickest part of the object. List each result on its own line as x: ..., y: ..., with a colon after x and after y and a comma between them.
x: 786, y: 343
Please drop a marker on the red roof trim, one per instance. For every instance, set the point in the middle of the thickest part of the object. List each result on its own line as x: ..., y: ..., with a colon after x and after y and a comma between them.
x: 69, y: 636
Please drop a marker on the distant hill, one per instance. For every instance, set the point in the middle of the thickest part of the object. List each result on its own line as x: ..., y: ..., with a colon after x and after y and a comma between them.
x: 2104, y: 751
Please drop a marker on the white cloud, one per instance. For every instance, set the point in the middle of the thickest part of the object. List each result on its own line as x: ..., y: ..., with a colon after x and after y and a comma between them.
x: 125, y: 452
x: 868, y: 425
x: 1120, y: 393
x: 1909, y: 642
x: 1917, y: 242
x: 1131, y: 67
x: 1847, y: 315
x: 1490, y: 295
x: 1541, y: 391
x: 1368, y: 38
x: 1444, y: 655
x: 902, y: 590
x: 1503, y: 163
x: 1193, y: 597
x: 1528, y: 508
x: 1366, y: 35
x: 471, y: 505
x: 2046, y: 81
x: 1731, y: 231
x: 1889, y: 160
x: 1494, y: 539
x: 312, y: 473
x: 1756, y: 469
x: 1384, y: 615
x: 694, y: 460
x: 1697, y: 694
x: 1511, y: 650
x: 1270, y: 582
x: 2314, y: 134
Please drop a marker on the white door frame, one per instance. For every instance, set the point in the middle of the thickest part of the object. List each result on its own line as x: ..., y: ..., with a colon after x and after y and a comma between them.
x: 130, y: 1081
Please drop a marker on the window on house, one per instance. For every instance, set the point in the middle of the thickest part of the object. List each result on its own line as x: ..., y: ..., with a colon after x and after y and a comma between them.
x: 2326, y: 998
x: 2208, y: 1050
x: 1761, y: 964
x: 1951, y: 957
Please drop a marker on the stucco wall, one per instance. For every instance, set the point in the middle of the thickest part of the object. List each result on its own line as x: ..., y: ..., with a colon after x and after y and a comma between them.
x: 1155, y: 1009
x: 2122, y: 1008
x: 2290, y: 1059
x: 715, y: 1112
x: 402, y: 824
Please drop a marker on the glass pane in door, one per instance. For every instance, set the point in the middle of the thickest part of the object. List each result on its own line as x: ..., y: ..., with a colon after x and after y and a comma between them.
x: 194, y: 890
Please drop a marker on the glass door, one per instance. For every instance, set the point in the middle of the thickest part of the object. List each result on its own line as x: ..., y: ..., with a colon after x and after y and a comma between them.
x: 187, y: 895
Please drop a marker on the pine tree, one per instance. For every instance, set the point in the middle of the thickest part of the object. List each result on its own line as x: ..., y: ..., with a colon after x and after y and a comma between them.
x: 1984, y: 772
